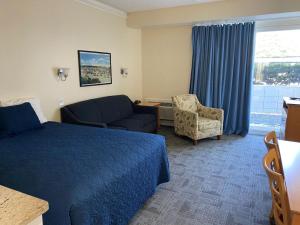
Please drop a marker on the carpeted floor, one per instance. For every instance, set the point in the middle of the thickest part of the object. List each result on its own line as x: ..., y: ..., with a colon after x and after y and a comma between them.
x: 212, y: 183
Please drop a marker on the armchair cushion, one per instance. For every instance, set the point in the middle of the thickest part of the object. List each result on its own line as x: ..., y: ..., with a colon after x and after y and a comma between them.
x: 186, y: 102
x: 205, y: 123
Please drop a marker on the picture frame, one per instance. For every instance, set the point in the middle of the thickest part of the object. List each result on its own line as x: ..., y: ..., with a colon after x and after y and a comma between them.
x: 94, y: 68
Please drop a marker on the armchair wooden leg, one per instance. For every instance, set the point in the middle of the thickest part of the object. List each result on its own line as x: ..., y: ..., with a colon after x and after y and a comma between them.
x: 219, y: 137
x: 195, y: 142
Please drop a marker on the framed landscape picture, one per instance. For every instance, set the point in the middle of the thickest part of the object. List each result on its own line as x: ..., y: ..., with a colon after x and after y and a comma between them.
x: 94, y: 68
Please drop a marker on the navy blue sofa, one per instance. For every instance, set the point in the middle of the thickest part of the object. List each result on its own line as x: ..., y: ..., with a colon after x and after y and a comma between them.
x: 115, y: 112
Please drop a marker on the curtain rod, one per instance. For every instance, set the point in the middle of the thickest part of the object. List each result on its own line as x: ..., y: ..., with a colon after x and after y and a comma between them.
x: 248, y: 19
x: 223, y: 22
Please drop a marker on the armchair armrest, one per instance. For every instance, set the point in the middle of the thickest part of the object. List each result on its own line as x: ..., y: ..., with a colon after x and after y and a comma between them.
x: 212, y: 113
x: 68, y: 117
x: 186, y: 115
x: 186, y: 122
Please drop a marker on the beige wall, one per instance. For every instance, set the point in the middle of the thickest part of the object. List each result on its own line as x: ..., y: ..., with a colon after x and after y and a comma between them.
x: 167, y: 54
x: 166, y: 39
x: 38, y: 35
x: 220, y: 10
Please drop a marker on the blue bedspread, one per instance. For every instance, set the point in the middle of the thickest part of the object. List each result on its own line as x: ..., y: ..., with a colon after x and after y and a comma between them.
x: 88, y: 175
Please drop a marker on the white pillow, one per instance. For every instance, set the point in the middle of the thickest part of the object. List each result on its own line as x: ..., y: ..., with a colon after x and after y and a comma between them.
x: 35, y: 103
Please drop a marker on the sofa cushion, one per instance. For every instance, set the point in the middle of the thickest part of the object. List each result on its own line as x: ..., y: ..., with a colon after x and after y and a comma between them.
x: 136, y: 122
x: 116, y: 112
x: 114, y: 108
x: 86, y: 111
x: 205, y: 123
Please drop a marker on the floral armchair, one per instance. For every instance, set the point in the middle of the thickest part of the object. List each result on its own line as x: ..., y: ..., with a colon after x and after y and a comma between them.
x: 194, y: 120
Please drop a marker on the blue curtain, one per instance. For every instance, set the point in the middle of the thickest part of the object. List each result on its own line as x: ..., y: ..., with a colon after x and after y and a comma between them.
x: 222, y: 68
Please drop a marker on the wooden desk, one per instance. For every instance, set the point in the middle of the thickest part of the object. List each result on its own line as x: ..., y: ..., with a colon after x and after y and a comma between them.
x: 17, y: 208
x: 291, y: 127
x: 153, y: 104
x: 290, y: 157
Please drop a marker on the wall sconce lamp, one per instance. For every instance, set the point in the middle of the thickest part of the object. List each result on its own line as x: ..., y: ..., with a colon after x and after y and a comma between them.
x: 63, y: 73
x: 124, y: 72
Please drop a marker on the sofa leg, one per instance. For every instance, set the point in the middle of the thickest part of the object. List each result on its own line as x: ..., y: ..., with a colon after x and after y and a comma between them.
x: 195, y: 142
x: 219, y: 137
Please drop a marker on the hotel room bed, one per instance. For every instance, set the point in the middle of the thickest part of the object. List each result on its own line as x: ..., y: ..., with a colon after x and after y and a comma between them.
x: 89, y: 176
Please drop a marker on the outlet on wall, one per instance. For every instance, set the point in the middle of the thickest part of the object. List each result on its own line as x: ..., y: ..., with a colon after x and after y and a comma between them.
x: 61, y: 102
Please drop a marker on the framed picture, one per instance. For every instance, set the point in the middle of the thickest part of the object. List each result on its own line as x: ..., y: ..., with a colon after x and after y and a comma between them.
x: 94, y: 68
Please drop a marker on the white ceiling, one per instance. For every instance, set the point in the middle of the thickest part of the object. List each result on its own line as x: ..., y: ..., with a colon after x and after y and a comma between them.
x: 141, y: 5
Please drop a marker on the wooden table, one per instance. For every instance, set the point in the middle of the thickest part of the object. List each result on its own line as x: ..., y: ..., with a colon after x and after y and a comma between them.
x: 17, y: 208
x: 291, y: 127
x: 290, y: 157
x: 153, y: 104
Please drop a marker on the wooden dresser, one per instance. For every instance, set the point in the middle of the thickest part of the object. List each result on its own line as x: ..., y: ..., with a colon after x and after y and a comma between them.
x: 290, y: 127
x: 17, y: 208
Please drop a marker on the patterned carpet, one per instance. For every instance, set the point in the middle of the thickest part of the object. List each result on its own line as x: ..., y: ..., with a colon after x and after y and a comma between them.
x: 212, y: 183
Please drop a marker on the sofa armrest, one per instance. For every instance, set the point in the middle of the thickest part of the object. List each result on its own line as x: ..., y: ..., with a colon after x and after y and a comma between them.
x: 68, y: 117
x: 146, y: 109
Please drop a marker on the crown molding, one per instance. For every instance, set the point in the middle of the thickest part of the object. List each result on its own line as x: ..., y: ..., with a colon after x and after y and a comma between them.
x: 103, y: 7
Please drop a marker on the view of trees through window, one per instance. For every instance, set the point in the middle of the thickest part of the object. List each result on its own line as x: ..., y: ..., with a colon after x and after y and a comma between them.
x: 277, y: 75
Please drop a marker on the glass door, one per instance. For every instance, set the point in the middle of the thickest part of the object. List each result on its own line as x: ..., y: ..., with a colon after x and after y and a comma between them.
x: 277, y: 75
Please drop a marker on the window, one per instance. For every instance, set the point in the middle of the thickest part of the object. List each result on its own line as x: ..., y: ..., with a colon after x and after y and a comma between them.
x: 277, y: 74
